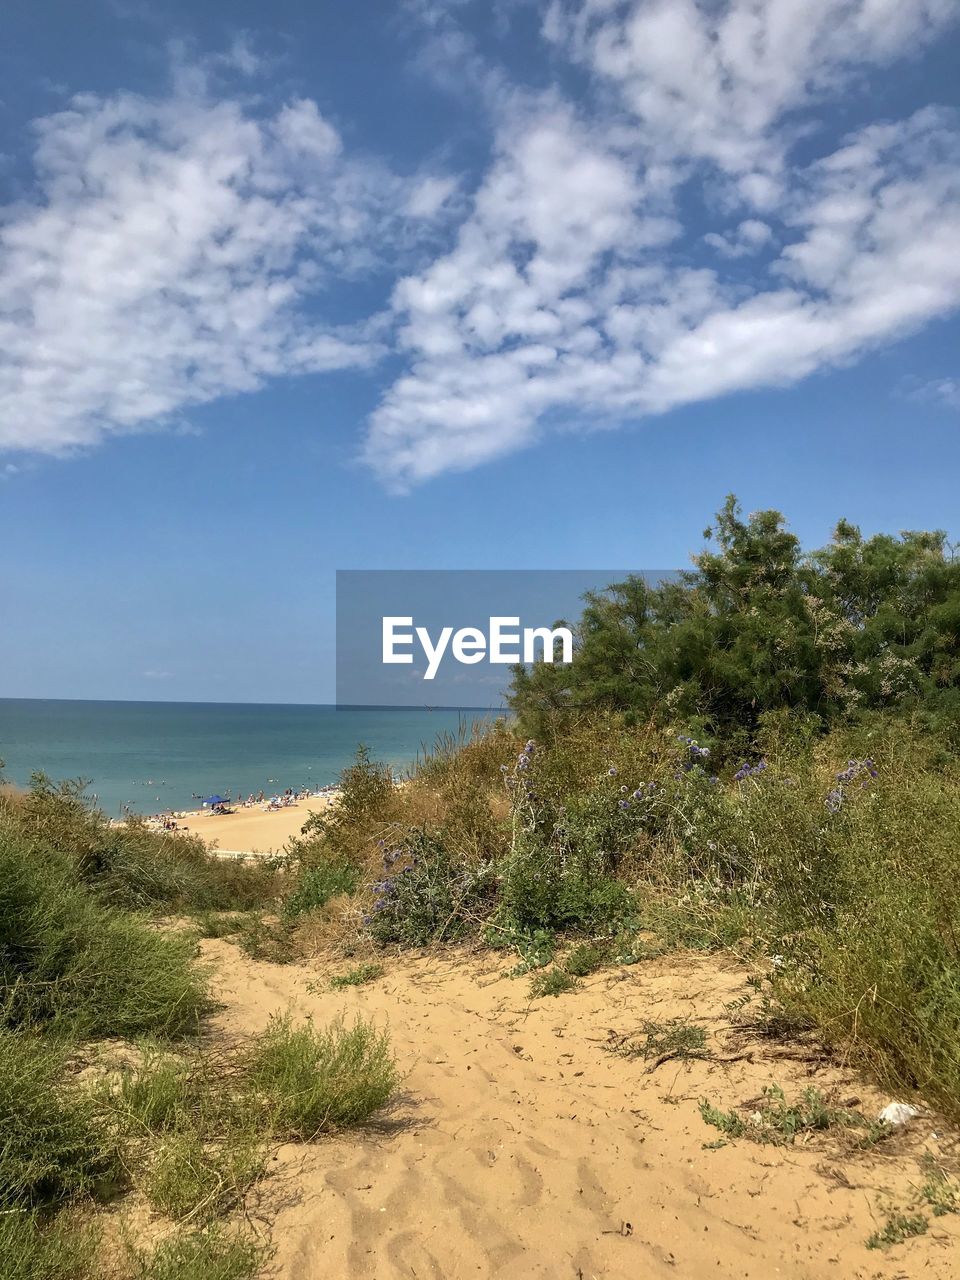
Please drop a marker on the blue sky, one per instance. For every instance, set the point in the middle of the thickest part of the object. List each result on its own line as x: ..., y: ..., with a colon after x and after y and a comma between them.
x: 312, y: 286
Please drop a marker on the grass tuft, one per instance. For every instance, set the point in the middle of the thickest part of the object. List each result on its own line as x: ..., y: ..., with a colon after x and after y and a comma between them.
x: 211, y: 1254
x: 311, y: 1081
x: 34, y: 1250
x: 357, y: 977
x: 551, y: 982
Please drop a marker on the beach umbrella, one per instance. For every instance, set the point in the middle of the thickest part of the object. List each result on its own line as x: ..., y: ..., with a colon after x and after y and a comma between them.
x: 212, y: 800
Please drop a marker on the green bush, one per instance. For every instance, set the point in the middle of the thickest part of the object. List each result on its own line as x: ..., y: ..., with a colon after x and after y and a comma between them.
x: 96, y: 970
x: 34, y: 1249
x: 310, y: 1081
x: 426, y: 895
x: 317, y: 885
x: 135, y: 867
x: 53, y: 1144
x: 201, y: 1176
x: 211, y: 1254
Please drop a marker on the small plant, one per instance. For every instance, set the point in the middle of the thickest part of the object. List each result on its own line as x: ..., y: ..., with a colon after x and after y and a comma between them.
x: 192, y: 1177
x: 212, y: 1254
x: 673, y: 1039
x: 551, y: 982
x: 155, y: 1095
x: 52, y: 1147
x: 584, y: 959
x: 310, y: 1081
x: 357, y: 977
x: 536, y: 948
x: 728, y: 1122
x: 779, y: 1122
x: 219, y: 924
x: 940, y: 1192
x: 899, y: 1227
x: 50, y: 1250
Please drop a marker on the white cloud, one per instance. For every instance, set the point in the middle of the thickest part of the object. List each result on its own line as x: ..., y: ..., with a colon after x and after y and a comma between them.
x: 714, y: 78
x: 943, y: 391
x: 655, y: 244
x: 574, y: 295
x: 577, y: 317
x: 172, y: 253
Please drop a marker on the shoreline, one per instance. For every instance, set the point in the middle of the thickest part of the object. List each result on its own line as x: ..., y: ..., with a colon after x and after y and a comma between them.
x: 257, y: 829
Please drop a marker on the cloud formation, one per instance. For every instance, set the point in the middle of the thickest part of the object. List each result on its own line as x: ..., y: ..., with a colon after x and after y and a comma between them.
x: 168, y: 251
x: 577, y: 293
x: 655, y: 242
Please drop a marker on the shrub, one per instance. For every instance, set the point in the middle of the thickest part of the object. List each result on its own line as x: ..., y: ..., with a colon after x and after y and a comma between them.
x: 584, y: 959
x: 135, y: 867
x: 426, y: 895
x: 66, y: 957
x: 52, y: 1144
x: 316, y: 885
x: 32, y: 1249
x: 203, y: 1177
x: 211, y: 1254
x: 310, y: 1080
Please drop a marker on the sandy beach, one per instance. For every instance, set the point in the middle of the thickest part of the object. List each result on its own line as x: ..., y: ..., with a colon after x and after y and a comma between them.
x: 254, y: 830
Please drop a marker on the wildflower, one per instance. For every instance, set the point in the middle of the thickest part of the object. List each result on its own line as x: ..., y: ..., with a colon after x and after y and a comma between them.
x: 624, y: 804
x: 612, y: 771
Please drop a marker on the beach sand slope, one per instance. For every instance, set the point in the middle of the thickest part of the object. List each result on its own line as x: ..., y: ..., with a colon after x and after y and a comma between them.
x: 523, y: 1148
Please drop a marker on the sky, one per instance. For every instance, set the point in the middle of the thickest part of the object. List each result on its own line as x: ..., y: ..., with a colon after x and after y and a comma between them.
x: 295, y: 288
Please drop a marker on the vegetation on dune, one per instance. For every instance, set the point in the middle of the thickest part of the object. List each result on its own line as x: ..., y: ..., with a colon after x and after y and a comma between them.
x: 83, y: 957
x: 762, y: 754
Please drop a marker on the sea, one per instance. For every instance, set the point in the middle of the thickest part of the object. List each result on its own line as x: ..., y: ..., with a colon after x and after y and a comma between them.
x: 151, y: 757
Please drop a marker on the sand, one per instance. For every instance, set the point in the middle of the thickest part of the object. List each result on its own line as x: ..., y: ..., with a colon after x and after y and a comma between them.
x: 253, y: 830
x: 522, y: 1148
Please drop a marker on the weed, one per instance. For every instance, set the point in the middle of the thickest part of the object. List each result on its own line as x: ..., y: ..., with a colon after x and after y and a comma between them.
x: 551, y: 982
x: 211, y: 1254
x: 899, y: 1227
x: 309, y: 1081
x: 673, y: 1039
x: 219, y: 924
x: 357, y: 977
x: 192, y: 1176
x: 940, y: 1191
x: 584, y: 959
x: 779, y: 1122
x: 32, y: 1249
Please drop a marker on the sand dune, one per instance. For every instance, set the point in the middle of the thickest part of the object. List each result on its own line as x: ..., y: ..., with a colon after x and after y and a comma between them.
x: 522, y: 1148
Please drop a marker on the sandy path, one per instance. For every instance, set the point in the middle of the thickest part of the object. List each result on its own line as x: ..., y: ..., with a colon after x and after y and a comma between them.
x: 522, y: 1147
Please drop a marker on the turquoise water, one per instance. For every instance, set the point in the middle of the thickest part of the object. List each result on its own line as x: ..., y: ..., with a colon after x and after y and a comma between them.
x: 153, y: 756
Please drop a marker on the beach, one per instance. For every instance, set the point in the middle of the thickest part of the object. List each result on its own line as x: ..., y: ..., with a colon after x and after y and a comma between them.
x: 257, y: 829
